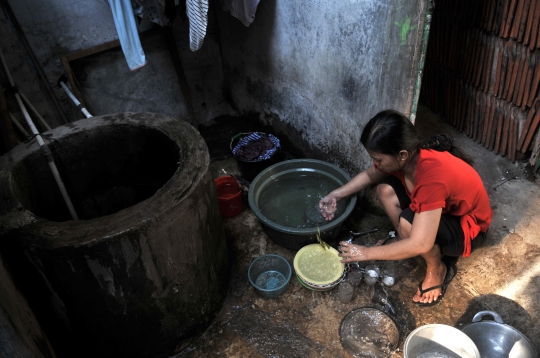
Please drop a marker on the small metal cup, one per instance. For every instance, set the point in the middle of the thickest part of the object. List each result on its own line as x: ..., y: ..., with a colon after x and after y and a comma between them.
x: 389, y: 274
x: 355, y: 277
x: 345, y: 291
x: 371, y: 275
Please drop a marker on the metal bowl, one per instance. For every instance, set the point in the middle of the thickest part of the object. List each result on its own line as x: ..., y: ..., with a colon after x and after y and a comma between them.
x: 439, y: 340
x: 495, y: 339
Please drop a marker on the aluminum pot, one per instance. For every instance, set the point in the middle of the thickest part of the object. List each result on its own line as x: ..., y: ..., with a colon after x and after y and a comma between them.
x: 439, y: 340
x: 495, y: 339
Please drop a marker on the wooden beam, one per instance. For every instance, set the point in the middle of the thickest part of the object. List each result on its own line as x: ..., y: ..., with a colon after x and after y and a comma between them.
x: 69, y: 75
x: 103, y: 47
x: 92, y: 50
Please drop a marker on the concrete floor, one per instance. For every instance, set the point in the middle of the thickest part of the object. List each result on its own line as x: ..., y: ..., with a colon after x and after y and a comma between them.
x: 503, y: 276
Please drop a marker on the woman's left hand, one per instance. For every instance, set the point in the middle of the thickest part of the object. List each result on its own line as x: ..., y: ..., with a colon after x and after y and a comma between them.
x: 352, y: 252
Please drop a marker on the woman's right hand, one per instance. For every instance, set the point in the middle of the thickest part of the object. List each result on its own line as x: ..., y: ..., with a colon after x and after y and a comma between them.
x: 328, y: 207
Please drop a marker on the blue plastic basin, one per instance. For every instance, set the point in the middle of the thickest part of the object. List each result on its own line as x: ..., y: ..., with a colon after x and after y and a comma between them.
x: 269, y: 274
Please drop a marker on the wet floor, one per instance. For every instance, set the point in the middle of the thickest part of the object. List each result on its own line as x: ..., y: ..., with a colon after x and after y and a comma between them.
x: 305, y: 323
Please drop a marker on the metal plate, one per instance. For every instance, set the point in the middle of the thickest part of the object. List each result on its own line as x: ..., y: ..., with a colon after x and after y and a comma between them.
x: 368, y: 332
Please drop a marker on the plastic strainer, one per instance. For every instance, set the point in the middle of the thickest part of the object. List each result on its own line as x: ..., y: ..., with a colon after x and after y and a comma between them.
x: 318, y: 265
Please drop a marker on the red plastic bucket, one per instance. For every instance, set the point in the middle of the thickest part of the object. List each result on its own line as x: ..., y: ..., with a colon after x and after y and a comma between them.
x: 229, y: 196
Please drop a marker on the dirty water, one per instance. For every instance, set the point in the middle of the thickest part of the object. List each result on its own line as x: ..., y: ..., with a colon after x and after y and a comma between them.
x: 270, y: 280
x: 290, y: 199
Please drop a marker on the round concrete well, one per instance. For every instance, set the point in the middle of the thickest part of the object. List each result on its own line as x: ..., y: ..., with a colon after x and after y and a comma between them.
x: 146, y: 266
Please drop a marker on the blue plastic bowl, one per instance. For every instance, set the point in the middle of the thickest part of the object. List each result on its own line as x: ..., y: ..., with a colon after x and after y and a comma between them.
x: 269, y: 274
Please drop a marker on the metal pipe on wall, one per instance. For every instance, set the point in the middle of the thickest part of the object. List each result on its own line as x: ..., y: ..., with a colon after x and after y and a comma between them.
x: 42, y: 145
x: 39, y: 117
x: 75, y: 100
x: 50, y: 160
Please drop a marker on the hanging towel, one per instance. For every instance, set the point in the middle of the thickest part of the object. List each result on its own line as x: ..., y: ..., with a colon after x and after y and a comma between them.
x: 124, y: 20
x: 243, y: 10
x: 197, y: 12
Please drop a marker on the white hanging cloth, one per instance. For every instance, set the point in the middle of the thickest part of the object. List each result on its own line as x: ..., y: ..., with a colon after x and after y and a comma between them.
x: 197, y: 12
x: 124, y: 20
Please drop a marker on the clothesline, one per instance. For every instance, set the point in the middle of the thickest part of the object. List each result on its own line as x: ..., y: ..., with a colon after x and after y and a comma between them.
x: 159, y: 11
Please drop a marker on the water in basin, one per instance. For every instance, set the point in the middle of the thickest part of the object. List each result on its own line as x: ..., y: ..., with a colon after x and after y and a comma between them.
x: 292, y: 199
x: 270, y: 280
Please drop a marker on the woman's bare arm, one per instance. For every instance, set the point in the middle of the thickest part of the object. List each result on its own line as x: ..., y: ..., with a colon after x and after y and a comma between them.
x: 421, y: 241
x: 328, y: 204
x: 359, y: 182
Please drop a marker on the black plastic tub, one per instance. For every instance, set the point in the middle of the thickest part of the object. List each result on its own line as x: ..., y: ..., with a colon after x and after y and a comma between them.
x: 297, y: 175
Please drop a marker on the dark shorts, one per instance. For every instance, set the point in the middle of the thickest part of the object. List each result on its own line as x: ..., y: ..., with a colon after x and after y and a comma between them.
x: 450, y: 237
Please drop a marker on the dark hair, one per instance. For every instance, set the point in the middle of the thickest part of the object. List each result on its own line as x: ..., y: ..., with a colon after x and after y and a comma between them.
x: 390, y: 132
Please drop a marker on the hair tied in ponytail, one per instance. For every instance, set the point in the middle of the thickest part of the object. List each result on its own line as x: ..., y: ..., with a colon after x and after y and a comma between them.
x: 439, y: 142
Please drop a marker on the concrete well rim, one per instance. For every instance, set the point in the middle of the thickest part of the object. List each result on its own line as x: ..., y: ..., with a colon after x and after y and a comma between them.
x: 37, y: 231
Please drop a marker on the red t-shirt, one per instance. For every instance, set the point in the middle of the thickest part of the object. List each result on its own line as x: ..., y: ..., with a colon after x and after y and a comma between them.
x: 445, y: 181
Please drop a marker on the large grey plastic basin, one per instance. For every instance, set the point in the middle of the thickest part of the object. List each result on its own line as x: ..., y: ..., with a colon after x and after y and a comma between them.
x: 292, y: 237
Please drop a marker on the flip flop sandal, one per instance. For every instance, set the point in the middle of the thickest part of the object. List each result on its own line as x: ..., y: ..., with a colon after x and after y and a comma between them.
x: 426, y: 304
x: 450, y: 274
